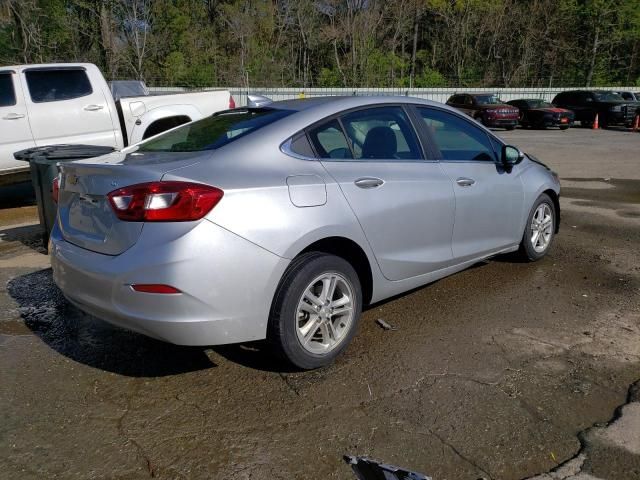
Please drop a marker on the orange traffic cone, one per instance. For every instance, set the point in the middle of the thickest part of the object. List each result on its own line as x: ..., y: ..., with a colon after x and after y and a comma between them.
x: 636, y: 123
x: 596, y: 125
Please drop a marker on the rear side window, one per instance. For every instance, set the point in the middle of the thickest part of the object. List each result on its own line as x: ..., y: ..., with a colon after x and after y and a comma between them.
x: 301, y: 146
x: 381, y: 133
x: 57, y: 85
x: 215, y: 131
x: 329, y: 141
x: 7, y: 93
x: 456, y: 138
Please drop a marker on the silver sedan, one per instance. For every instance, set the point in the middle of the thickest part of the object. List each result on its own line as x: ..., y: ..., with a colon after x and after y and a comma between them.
x: 282, y: 221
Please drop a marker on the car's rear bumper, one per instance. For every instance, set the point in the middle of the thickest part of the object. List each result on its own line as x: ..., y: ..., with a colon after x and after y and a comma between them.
x: 227, y: 284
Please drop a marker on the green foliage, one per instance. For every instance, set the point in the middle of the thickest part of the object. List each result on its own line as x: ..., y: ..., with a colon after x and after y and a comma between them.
x: 197, y: 43
x: 329, y: 77
x: 430, y: 78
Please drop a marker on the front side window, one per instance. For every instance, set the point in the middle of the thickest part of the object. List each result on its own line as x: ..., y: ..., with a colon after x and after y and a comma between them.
x: 7, y: 93
x: 456, y: 138
x: 381, y: 133
x: 57, y: 85
x: 214, y: 131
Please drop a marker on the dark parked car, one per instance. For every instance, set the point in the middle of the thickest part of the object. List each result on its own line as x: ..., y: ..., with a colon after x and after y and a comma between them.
x: 486, y: 108
x: 610, y: 107
x: 538, y: 113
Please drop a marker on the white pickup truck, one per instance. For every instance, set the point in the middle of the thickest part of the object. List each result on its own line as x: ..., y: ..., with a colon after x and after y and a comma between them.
x: 71, y: 103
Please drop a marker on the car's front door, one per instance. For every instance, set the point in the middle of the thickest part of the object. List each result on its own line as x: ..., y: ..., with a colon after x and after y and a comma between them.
x: 65, y: 108
x: 15, y: 133
x: 489, y: 199
x: 404, y: 203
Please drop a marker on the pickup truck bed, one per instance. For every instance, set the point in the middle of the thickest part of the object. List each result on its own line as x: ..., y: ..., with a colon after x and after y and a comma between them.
x: 71, y: 103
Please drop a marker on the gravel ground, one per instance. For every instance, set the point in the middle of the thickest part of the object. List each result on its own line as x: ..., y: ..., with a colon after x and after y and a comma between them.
x: 504, y: 371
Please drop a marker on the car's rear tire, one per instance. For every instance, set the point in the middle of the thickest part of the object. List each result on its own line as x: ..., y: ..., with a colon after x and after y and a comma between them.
x: 540, y: 229
x: 510, y: 127
x: 316, y: 310
x: 564, y: 128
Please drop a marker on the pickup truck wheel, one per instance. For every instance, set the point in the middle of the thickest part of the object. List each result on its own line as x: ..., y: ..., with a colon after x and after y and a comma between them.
x: 316, y: 310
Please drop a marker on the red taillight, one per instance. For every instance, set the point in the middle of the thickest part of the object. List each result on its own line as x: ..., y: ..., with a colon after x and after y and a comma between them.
x: 55, y: 189
x: 164, y: 201
x: 232, y: 102
x: 155, y: 288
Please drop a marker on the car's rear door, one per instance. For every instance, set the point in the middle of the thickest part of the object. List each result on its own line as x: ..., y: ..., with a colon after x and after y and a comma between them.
x: 64, y: 107
x: 489, y: 199
x: 15, y: 133
x: 403, y: 202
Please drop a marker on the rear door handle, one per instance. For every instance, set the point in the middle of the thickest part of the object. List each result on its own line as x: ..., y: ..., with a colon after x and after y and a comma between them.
x: 465, y: 182
x: 93, y: 108
x: 13, y: 116
x: 368, y: 182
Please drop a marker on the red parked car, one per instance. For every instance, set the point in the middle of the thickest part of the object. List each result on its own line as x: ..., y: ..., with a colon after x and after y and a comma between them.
x: 487, y: 108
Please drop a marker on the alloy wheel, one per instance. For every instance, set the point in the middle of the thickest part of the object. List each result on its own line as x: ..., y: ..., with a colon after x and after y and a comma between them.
x: 541, y: 228
x: 325, y: 313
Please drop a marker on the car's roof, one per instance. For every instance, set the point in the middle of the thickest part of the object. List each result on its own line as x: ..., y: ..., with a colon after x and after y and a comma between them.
x: 594, y: 90
x: 345, y: 102
x: 16, y: 68
x: 309, y: 111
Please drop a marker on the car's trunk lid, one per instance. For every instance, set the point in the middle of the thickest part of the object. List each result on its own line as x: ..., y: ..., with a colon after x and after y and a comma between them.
x: 85, y: 215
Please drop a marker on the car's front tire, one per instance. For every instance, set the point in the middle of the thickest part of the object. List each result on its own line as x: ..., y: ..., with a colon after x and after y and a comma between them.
x: 316, y: 310
x: 539, y: 230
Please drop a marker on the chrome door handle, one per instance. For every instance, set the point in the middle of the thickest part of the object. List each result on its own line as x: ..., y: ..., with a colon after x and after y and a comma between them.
x: 13, y: 116
x: 93, y: 108
x: 368, y: 182
x: 465, y: 182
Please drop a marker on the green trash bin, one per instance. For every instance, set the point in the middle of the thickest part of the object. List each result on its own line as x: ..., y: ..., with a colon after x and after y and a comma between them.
x: 43, y: 163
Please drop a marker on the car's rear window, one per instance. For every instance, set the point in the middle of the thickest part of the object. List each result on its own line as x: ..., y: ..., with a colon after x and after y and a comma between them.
x: 215, y: 131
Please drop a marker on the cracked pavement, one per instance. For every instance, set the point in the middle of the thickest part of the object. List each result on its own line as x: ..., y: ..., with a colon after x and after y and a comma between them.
x: 503, y: 371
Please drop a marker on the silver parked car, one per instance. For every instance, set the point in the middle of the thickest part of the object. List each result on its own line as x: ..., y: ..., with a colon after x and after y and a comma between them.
x: 282, y: 221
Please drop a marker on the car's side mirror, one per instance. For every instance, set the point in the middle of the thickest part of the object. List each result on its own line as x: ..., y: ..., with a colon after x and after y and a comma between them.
x: 511, y: 156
